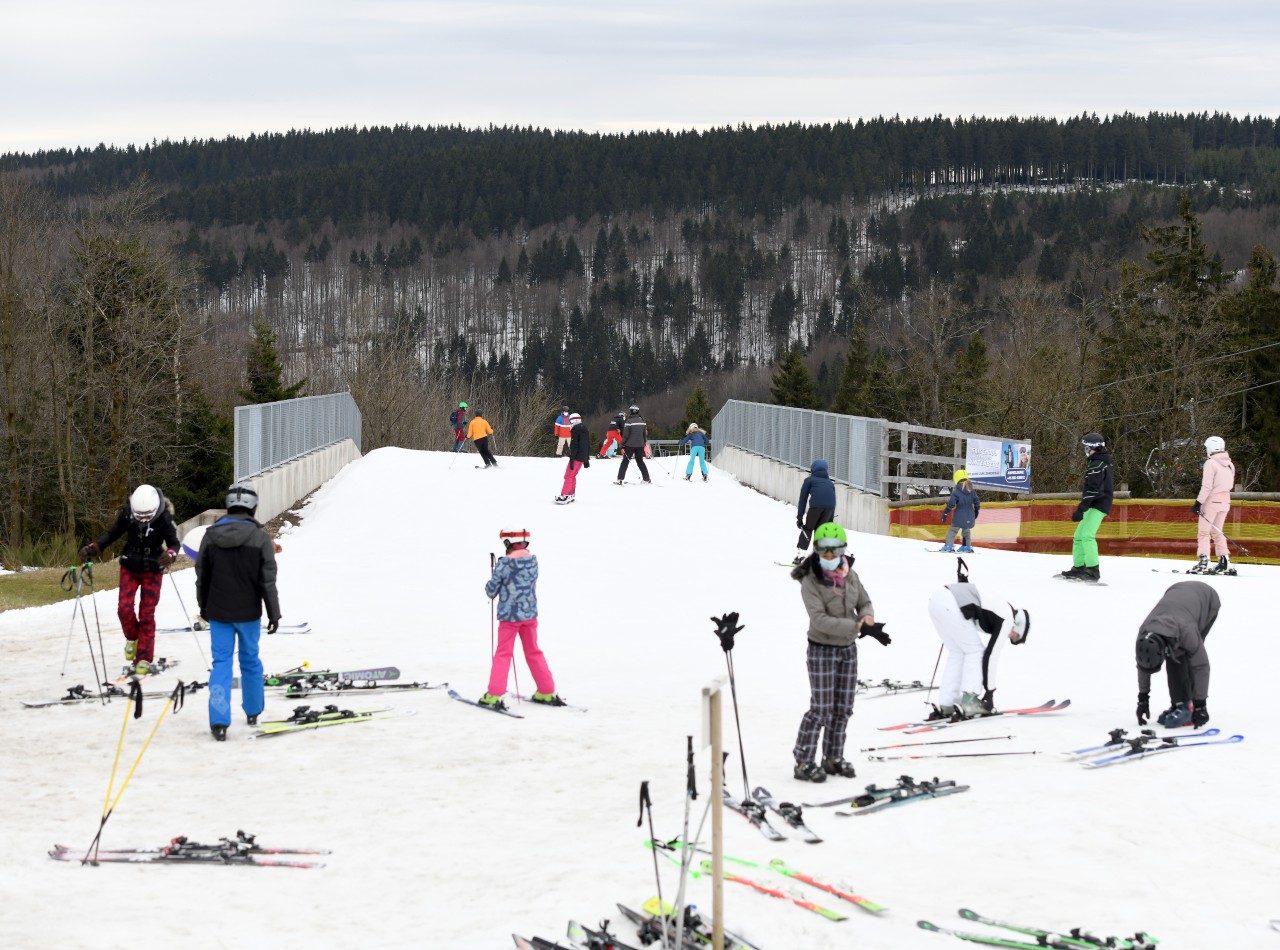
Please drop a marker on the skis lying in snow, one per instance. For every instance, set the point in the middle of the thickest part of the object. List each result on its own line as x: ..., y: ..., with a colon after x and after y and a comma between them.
x: 890, y: 688
x: 242, y: 843
x: 299, y: 690
x: 754, y: 812
x: 301, y: 675
x: 697, y: 932
x: 911, y: 728
x: 303, y: 627
x: 305, y: 718
x: 775, y: 892
x: 1144, y: 746
x: 1117, y: 741
x: 787, y: 811
x: 867, y: 797
x: 908, y: 791
x: 667, y: 849
x: 589, y: 939
x: 503, y: 710
x: 243, y: 849
x: 81, y: 694
x: 1072, y: 939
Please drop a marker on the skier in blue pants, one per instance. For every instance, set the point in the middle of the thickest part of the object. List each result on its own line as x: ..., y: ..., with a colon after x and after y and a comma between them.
x: 235, y: 577
x: 696, y: 439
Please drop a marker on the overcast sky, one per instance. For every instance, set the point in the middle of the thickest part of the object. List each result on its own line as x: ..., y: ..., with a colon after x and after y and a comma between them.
x: 130, y: 71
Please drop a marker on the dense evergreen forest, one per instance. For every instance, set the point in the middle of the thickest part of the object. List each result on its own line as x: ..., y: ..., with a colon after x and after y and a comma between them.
x: 1004, y: 276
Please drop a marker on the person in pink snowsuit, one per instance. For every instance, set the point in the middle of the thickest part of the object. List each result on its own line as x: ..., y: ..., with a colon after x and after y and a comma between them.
x: 514, y: 584
x: 1212, y: 504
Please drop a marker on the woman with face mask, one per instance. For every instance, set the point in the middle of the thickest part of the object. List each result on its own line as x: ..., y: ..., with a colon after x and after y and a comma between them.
x: 840, y: 612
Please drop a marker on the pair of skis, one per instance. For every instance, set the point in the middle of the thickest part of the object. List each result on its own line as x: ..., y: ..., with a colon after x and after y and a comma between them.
x: 300, y: 690
x: 303, y: 627
x: 912, y: 728
x: 243, y: 849
x: 304, y: 718
x: 1074, y: 938
x: 159, y: 665
x: 890, y: 688
x: 303, y: 675
x: 81, y: 694
x: 778, y: 866
x: 1147, y: 743
x: 907, y: 791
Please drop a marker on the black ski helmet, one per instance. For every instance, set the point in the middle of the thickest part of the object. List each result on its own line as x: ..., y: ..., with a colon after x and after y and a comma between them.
x: 1150, y: 652
x: 1093, y: 440
x: 634, y: 410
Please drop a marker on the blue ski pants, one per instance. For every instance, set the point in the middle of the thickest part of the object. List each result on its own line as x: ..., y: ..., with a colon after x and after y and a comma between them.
x: 698, y: 452
x: 223, y: 639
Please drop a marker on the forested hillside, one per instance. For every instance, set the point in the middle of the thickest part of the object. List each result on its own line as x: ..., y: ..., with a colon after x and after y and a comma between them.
x: 1022, y: 277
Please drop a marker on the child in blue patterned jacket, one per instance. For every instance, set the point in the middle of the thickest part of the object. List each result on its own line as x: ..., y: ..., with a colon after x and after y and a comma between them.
x: 966, y: 503
x: 514, y: 583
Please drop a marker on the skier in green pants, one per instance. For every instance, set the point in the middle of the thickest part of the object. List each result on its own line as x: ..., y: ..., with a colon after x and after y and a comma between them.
x: 1095, y: 504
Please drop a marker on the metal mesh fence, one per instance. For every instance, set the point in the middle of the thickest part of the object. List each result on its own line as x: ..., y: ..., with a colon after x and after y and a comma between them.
x: 850, y: 444
x: 272, y: 433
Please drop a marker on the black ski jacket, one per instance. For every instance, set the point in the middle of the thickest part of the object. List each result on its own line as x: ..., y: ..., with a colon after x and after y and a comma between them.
x: 580, y: 444
x: 236, y: 571
x: 145, y: 542
x: 1183, y: 618
x: 1099, y: 486
x: 635, y: 433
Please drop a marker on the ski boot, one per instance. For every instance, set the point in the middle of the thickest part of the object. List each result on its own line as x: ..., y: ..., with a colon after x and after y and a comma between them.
x: 688, y: 478
x: 488, y: 699
x: 971, y: 706
x: 1075, y: 574
x: 219, y: 732
x: 966, y: 549
x: 130, y: 650
x: 251, y: 720
x: 142, y: 668
x: 941, y: 712
x: 1091, y: 575
x: 810, y: 772
x: 1223, y: 567
x: 549, y: 699
x: 704, y: 476
x: 838, y: 766
x: 948, y: 549
x: 1201, y: 566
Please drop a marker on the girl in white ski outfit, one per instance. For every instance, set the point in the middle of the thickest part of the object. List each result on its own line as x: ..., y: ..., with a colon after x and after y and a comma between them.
x: 972, y: 636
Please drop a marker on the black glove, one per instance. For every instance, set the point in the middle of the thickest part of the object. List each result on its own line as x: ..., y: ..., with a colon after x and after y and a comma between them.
x: 586, y: 462
x: 1195, y: 509
x: 1077, y: 515
x: 989, y: 700
x: 1144, y: 708
x: 944, y: 517
x: 800, y: 522
x: 876, y: 632
x: 273, y: 625
x: 1200, y: 715
x: 726, y: 628
x: 168, y: 557
x: 90, y: 552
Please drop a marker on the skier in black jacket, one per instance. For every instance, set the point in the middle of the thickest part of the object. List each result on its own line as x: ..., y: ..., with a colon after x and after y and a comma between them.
x: 635, y: 439
x: 1175, y: 632
x: 150, y: 546
x: 235, y: 577
x: 579, y: 458
x: 1095, y: 504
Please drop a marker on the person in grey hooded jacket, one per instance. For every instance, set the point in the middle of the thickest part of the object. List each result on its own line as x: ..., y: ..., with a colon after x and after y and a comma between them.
x: 1174, y: 633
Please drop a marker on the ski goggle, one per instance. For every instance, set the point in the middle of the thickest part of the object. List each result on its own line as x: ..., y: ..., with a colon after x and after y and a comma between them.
x: 829, y: 547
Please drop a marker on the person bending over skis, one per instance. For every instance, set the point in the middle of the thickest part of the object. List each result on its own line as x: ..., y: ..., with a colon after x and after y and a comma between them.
x: 1175, y: 632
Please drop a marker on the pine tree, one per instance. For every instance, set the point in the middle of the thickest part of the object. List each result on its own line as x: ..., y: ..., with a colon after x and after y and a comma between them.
x: 697, y: 409
x: 793, y: 384
x: 263, y: 371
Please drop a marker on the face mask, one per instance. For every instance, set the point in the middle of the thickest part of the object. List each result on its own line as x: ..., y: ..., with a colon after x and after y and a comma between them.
x: 831, y: 564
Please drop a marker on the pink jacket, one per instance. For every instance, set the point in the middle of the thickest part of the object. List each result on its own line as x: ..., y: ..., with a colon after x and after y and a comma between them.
x: 1218, y: 478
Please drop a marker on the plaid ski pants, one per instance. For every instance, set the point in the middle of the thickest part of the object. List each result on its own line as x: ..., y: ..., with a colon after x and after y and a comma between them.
x: 142, y: 625
x: 833, y: 681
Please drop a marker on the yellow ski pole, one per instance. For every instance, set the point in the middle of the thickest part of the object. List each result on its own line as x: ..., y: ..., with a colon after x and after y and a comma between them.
x: 175, y: 703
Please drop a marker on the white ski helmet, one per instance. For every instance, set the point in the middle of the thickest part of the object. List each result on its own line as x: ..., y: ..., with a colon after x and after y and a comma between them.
x: 693, y: 427
x: 511, y: 536
x: 1214, y: 444
x: 242, y: 496
x: 574, y: 418
x: 144, y: 503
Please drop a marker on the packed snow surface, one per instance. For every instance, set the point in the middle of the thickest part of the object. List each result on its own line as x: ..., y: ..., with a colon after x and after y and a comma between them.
x: 455, y: 827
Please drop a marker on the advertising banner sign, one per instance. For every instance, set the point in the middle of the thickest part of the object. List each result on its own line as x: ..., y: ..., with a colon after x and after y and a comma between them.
x: 1003, y: 465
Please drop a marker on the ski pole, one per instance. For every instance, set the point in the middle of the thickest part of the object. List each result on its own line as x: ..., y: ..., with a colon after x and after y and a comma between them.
x: 911, y: 745
x: 646, y: 807
x: 1243, y: 549
x: 691, y: 795
x: 97, y: 620
x: 492, y: 644
x: 194, y: 635
x: 727, y: 627
x: 75, y: 608
x: 134, y: 701
x: 935, y: 673
x: 951, y: 755
x: 73, y: 576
